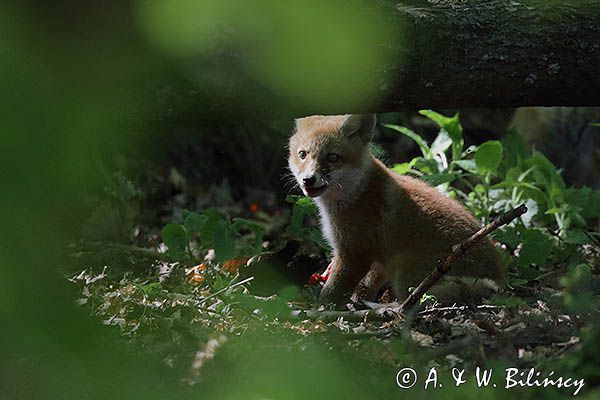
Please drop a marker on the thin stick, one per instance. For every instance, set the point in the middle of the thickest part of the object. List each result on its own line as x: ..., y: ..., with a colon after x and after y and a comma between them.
x: 381, y: 314
x: 225, y: 289
x: 457, y: 251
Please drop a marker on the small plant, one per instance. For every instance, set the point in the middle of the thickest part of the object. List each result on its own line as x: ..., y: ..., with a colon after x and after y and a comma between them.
x: 201, y: 232
x: 496, y: 176
x: 298, y: 228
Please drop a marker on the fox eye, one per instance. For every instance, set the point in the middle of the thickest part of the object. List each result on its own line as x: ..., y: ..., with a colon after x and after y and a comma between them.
x: 302, y: 154
x: 332, y: 157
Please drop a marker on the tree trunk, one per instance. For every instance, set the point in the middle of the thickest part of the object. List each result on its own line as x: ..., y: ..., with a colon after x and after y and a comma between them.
x: 493, y: 53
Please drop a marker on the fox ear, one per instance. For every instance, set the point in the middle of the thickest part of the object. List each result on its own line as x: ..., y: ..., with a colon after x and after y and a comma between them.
x: 359, y: 126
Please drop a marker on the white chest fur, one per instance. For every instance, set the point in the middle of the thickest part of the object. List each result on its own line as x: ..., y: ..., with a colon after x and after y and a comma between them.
x: 328, y: 226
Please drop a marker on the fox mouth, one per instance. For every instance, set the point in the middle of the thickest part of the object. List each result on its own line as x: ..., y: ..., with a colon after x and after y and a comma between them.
x: 315, y: 191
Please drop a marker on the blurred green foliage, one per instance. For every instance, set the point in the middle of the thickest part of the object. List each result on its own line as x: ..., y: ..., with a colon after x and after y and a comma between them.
x: 79, y: 82
x: 298, y: 227
x: 75, y: 84
x: 229, y: 239
x: 293, y: 50
x: 63, y: 99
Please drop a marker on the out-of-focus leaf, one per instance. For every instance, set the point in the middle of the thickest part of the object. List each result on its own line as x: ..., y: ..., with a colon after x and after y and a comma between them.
x: 151, y: 288
x: 509, y: 301
x: 577, y: 236
x: 583, y: 200
x: 194, y: 222
x: 255, y: 228
x: 337, y: 49
x: 514, y: 281
x: 224, y: 242
x: 214, y: 220
x: 579, y: 294
x: 176, y: 238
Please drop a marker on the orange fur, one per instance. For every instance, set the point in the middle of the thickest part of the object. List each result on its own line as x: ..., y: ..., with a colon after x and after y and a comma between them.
x: 377, y: 220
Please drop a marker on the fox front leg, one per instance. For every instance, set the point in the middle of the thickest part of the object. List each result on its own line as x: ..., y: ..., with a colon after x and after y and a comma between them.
x: 370, y: 285
x: 344, y: 275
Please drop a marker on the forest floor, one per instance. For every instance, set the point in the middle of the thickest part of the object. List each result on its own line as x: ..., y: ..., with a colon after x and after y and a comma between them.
x: 196, y: 313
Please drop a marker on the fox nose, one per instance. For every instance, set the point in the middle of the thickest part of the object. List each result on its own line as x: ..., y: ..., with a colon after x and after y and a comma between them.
x: 309, y: 181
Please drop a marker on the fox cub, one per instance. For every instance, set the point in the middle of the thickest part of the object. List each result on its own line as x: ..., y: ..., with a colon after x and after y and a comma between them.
x: 383, y: 226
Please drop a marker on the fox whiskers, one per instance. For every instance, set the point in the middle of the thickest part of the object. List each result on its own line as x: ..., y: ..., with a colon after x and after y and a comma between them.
x: 337, y: 183
x: 290, y: 182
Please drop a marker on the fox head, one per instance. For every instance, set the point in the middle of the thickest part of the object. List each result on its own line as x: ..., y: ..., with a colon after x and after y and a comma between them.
x: 329, y: 155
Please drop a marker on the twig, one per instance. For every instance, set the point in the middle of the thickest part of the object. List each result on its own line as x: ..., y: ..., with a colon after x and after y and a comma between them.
x: 381, y: 314
x: 124, y: 248
x: 218, y: 292
x: 457, y: 251
x: 482, y: 307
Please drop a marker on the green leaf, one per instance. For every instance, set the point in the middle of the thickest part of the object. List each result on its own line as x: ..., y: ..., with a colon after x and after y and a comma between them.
x: 536, y: 248
x: 255, y: 228
x: 517, y: 281
x: 194, y: 222
x: 507, y: 235
x: 509, y: 301
x: 452, y: 126
x: 545, y: 173
x: 427, y: 166
x: 210, y: 226
x: 176, y: 238
x: 577, y: 236
x: 467, y: 165
x: 317, y: 236
x: 303, y: 207
x: 414, y: 136
x: 305, y: 202
x: 527, y: 272
x: 150, y: 289
x: 402, y: 168
x: 224, y: 242
x: 438, y: 118
x: 488, y: 156
x: 515, y: 149
x: 584, y: 199
x: 288, y: 293
x: 579, y: 294
x: 292, y: 198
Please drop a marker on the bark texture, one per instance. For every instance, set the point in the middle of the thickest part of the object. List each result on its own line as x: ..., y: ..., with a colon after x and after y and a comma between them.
x: 492, y: 53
